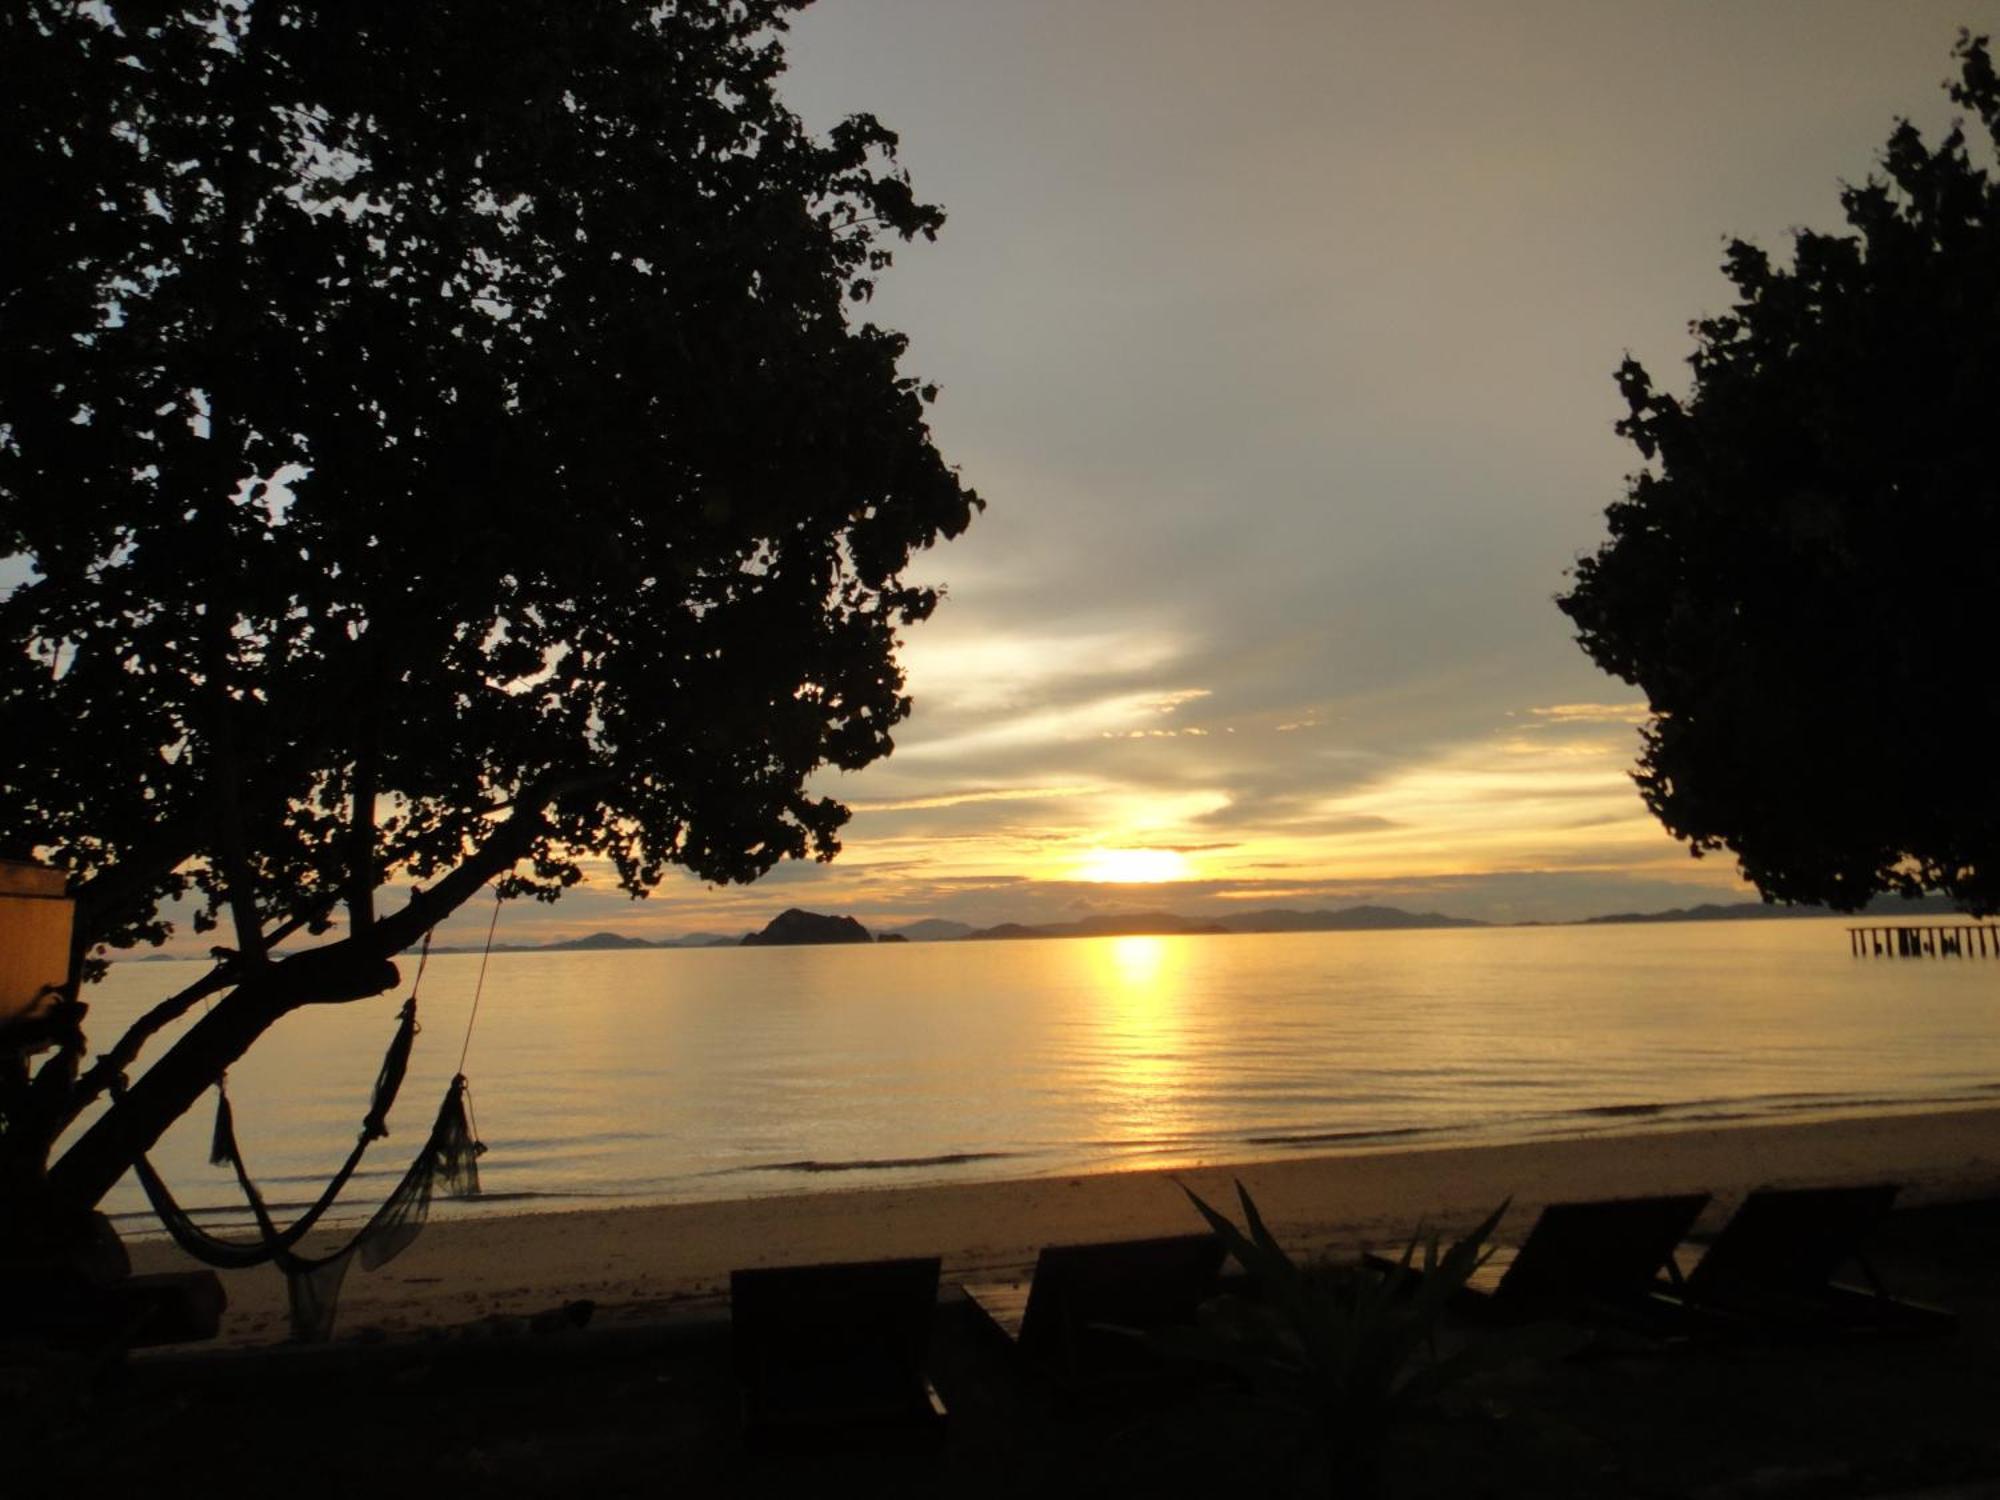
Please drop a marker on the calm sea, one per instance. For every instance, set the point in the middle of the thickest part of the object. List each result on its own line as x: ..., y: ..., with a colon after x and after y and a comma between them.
x: 658, y: 1076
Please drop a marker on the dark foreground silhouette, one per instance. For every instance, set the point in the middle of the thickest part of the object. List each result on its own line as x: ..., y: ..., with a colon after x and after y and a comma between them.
x: 651, y: 1406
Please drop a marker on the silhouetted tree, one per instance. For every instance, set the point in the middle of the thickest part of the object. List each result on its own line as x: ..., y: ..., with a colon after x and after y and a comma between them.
x: 1803, y: 578
x: 440, y: 452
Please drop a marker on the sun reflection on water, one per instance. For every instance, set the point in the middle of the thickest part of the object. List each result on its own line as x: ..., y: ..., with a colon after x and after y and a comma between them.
x: 1141, y: 1023
x: 1136, y: 962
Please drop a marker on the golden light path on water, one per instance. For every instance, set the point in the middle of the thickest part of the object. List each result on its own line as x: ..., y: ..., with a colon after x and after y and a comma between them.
x: 1139, y: 1001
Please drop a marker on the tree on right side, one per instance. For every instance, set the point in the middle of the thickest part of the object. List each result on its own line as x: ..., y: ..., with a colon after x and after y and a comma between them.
x: 1804, y: 576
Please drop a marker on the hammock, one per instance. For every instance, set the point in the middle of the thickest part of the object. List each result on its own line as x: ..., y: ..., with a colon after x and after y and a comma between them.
x: 236, y: 1255
x: 449, y: 1159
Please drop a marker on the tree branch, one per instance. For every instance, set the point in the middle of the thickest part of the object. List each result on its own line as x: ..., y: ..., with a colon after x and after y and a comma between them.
x: 392, y: 934
x: 238, y: 888
x: 361, y: 844
x: 109, y: 1065
x: 351, y: 968
x: 228, y: 438
x: 126, y: 1050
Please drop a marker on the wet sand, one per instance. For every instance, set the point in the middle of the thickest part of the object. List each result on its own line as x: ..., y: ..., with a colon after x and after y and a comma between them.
x: 636, y: 1263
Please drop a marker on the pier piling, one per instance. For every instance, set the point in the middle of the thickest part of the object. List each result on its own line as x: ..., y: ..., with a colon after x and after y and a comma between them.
x: 1925, y: 940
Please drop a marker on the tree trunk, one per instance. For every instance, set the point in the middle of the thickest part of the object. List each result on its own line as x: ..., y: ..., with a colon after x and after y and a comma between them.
x: 170, y: 1087
x: 352, y: 968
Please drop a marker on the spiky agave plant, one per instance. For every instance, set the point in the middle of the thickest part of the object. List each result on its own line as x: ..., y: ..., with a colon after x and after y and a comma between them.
x: 1346, y: 1348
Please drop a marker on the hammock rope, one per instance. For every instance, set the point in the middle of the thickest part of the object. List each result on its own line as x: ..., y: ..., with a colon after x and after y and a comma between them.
x: 449, y: 1160
x: 479, y: 988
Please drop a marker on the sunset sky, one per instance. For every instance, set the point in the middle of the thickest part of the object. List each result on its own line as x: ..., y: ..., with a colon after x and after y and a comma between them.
x: 1279, y: 338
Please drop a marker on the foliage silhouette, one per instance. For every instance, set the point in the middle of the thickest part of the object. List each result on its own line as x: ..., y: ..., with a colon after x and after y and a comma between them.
x: 1344, y: 1350
x: 446, y: 448
x: 1802, y: 578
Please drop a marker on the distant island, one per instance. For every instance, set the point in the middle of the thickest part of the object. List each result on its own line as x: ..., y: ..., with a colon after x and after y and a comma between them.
x: 795, y: 927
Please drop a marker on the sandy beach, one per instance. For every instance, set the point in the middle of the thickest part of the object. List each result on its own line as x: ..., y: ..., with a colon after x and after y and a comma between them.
x: 636, y: 1263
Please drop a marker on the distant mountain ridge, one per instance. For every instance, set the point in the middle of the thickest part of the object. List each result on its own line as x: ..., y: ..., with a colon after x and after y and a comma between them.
x: 1754, y: 911
x: 596, y: 941
x: 1348, y: 919
x: 1115, y: 924
x: 1171, y: 924
x: 600, y: 942
x: 930, y: 930
x: 798, y: 927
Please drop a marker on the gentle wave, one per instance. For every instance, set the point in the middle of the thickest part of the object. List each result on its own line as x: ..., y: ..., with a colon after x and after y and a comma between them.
x: 1629, y: 1111
x: 1668, y: 1112
x: 1335, y: 1137
x: 227, y: 1216
x: 881, y: 1164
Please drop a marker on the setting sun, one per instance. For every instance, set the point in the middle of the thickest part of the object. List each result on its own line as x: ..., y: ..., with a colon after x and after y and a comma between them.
x: 1133, y: 866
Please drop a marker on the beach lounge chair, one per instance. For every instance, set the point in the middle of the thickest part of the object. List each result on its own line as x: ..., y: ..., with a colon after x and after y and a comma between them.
x: 1773, y: 1265
x: 1075, y: 1320
x: 1596, y: 1261
x: 829, y: 1353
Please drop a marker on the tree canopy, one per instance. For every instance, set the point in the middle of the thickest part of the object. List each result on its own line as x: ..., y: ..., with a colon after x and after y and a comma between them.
x: 444, y: 443
x: 1802, y: 577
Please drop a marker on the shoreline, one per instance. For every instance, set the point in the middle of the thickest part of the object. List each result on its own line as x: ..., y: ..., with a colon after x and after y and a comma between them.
x: 636, y: 1262
x: 1638, y: 1123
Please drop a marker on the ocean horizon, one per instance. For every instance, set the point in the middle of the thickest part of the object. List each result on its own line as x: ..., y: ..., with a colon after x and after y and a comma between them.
x: 615, y: 1077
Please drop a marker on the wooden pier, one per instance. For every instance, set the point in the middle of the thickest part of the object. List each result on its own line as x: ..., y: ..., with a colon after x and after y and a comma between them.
x: 1934, y: 940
